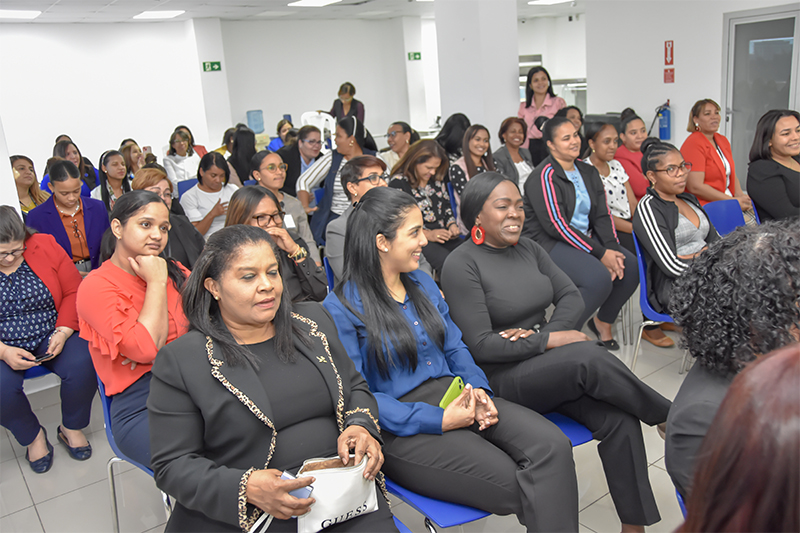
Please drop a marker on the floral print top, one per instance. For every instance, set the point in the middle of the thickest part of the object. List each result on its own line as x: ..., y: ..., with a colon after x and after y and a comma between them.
x: 432, y: 199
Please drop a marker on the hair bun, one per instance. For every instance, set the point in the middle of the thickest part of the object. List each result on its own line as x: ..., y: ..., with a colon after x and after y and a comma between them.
x: 627, y: 112
x: 649, y: 143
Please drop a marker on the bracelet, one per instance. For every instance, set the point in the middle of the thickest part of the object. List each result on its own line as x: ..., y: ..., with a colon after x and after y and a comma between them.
x: 299, y: 255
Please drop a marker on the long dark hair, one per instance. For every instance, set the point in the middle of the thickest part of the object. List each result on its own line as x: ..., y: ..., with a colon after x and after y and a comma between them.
x: 124, y: 209
x: 202, y: 310
x: 765, y: 130
x: 407, y: 129
x: 418, y: 153
x: 60, y: 150
x: 355, y: 128
x: 741, y: 297
x: 126, y: 185
x: 382, y: 211
x: 244, y: 148
x: 747, y: 467
x: 62, y: 170
x: 452, y: 133
x: 529, y: 91
x: 487, y: 158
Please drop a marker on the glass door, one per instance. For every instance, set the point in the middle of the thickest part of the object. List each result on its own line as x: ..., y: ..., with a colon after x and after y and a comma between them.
x: 761, y: 75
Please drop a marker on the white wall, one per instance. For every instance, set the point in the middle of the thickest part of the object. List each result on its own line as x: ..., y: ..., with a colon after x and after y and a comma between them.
x: 625, y: 54
x: 561, y: 42
x: 293, y: 66
x: 97, y: 83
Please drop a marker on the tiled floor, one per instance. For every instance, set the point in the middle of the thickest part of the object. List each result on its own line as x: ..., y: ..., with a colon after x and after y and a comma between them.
x: 74, y: 496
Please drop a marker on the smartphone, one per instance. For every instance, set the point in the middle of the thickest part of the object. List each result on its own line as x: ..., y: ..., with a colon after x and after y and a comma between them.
x: 302, y: 492
x: 147, y: 150
x: 455, y: 388
x: 40, y: 358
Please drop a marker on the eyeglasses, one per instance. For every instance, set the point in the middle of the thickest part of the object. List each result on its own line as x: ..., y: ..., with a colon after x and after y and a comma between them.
x: 265, y: 220
x: 163, y: 195
x: 312, y: 142
x: 374, y: 179
x: 272, y: 167
x: 392, y: 134
x: 672, y: 170
x: 179, y: 142
x: 13, y: 253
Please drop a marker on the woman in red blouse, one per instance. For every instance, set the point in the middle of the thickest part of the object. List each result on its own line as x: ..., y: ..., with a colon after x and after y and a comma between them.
x: 129, y: 308
x: 713, y: 175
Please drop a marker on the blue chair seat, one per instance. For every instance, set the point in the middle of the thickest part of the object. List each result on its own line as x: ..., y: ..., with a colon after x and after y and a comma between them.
x: 443, y: 514
x: 35, y: 372
x: 577, y: 433
x: 249, y: 182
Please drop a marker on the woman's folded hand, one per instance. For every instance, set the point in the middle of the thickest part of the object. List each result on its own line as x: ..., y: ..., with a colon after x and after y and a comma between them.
x: 267, y: 491
x: 359, y: 440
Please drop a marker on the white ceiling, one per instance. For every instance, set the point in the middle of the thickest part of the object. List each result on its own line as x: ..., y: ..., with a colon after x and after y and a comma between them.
x: 106, y: 11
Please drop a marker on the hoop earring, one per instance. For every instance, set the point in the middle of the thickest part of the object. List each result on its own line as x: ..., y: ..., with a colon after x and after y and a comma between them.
x: 478, y: 235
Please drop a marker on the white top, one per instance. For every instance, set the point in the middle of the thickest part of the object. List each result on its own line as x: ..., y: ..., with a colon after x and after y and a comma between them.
x: 198, y: 203
x: 523, y: 171
x: 616, y: 193
x: 315, y: 175
x: 181, y: 168
x: 727, y: 166
x: 389, y: 157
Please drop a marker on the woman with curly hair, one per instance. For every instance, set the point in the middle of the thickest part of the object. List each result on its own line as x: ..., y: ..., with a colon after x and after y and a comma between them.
x: 738, y: 300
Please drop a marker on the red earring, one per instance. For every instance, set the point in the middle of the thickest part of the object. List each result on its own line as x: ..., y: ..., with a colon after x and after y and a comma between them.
x: 477, y: 235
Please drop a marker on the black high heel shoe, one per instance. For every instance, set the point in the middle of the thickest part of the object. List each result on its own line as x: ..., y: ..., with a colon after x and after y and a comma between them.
x: 610, y: 345
x: 79, y: 453
x: 40, y: 466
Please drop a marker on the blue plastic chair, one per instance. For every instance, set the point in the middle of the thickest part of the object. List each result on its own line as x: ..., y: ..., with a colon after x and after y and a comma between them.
x: 681, y: 504
x: 185, y: 185
x: 249, y: 182
x: 401, y: 527
x: 577, y: 433
x: 118, y: 458
x: 36, y: 372
x: 453, y: 204
x: 726, y: 215
x: 328, y: 273
x: 654, y: 318
x: 318, y: 194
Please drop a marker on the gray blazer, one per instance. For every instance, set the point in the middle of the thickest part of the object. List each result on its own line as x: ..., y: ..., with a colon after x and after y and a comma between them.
x: 504, y: 164
x: 334, y: 246
x: 690, y: 416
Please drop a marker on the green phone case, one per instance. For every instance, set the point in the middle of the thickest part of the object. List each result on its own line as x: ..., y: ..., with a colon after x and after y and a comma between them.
x: 452, y: 393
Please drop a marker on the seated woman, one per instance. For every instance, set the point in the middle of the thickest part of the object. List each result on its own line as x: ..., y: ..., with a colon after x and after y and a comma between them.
x: 763, y: 399
x: 269, y: 171
x: 567, y: 214
x: 713, y: 174
x: 128, y: 309
x: 256, y: 387
x: 632, y: 132
x: 399, y: 137
x: 181, y: 161
x: 76, y: 222
x: 134, y: 158
x: 512, y: 160
x: 575, y: 115
x: 773, y: 177
x: 351, y: 140
x: 199, y: 149
x: 244, y: 148
x: 207, y: 202
x: 280, y: 141
x: 259, y: 207
x: 37, y: 324
x: 477, y: 158
x: 735, y: 302
x: 498, y: 287
x: 114, y: 181
x: 68, y: 150
x: 393, y: 321
x: 184, y: 243
x: 300, y: 156
x: 669, y: 223
x: 28, y: 191
x: 421, y: 174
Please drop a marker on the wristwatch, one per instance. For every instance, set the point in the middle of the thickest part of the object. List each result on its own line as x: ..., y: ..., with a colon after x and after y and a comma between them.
x: 299, y: 255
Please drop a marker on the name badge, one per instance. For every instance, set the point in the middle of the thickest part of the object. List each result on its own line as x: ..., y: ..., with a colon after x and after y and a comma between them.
x: 288, y: 221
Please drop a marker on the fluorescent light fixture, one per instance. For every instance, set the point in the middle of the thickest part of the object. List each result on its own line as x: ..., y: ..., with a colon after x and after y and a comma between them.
x: 312, y: 3
x: 158, y: 15
x: 18, y: 15
x: 547, y: 2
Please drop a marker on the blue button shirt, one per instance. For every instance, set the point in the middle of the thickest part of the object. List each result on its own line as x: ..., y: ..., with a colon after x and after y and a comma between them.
x: 407, y: 418
x: 583, y: 204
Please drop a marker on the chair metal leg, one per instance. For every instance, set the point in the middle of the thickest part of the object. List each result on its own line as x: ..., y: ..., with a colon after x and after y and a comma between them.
x: 625, y: 323
x: 167, y: 503
x: 113, y: 490
x: 639, y: 341
x: 630, y: 320
x: 684, y: 363
x: 429, y: 525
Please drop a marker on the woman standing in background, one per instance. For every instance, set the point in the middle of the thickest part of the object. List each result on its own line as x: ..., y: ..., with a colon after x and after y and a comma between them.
x: 346, y: 105
x: 540, y: 100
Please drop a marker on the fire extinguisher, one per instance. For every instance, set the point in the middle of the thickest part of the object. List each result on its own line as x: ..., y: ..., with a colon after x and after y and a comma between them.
x: 664, y: 125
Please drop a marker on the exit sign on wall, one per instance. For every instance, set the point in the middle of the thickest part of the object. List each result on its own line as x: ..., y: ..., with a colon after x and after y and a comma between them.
x: 415, y: 56
x: 212, y: 66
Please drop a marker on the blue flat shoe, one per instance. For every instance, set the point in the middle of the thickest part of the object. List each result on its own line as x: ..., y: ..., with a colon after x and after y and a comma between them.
x: 40, y: 466
x: 79, y: 453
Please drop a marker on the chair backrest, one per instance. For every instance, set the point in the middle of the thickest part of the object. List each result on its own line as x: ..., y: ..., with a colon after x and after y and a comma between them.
x: 452, y: 194
x: 185, y: 185
x: 249, y: 182
x: 323, y: 121
x: 726, y: 215
x: 644, y: 303
x: 328, y: 273
x: 106, y: 403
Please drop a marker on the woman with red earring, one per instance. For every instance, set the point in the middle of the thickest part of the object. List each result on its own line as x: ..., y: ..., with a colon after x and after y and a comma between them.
x: 477, y: 235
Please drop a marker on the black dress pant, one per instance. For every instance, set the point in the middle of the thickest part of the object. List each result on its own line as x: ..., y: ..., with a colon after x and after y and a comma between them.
x: 436, y: 252
x: 538, y: 150
x: 588, y: 384
x: 521, y: 465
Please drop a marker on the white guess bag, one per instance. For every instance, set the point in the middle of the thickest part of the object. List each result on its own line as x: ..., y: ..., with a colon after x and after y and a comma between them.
x: 341, y: 493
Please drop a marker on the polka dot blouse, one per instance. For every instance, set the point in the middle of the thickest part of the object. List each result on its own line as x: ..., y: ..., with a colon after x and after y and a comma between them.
x: 27, y: 311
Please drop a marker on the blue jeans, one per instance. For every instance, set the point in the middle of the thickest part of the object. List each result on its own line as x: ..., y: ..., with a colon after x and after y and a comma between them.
x: 78, y: 385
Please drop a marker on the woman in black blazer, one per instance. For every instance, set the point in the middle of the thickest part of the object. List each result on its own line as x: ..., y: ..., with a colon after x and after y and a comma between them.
x: 511, y: 158
x: 254, y: 389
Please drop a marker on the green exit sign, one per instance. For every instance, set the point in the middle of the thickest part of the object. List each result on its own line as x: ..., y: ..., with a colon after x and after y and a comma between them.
x: 212, y: 66
x: 414, y: 56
